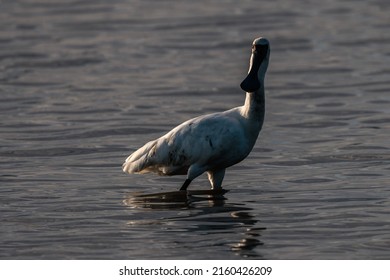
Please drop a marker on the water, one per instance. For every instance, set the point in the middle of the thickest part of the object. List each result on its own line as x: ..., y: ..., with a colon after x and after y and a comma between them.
x: 85, y: 83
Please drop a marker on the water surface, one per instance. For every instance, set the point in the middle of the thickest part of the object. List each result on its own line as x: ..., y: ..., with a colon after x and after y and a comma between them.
x: 85, y: 83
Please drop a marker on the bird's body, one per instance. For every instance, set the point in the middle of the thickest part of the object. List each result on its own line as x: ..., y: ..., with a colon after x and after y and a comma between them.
x: 208, y: 143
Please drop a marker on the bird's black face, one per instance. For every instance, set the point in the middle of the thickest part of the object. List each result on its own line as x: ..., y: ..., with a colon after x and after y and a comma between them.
x: 259, y: 52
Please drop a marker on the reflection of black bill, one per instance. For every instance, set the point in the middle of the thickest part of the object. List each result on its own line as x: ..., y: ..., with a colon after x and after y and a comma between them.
x: 176, y: 199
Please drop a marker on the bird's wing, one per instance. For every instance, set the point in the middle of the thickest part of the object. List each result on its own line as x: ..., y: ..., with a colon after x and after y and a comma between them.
x: 215, y: 139
x: 204, y: 139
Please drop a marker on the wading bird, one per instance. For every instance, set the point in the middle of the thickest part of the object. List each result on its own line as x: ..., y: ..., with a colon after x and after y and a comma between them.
x: 213, y: 142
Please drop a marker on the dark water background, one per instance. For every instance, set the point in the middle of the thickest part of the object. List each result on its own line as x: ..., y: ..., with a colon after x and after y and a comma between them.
x: 85, y: 83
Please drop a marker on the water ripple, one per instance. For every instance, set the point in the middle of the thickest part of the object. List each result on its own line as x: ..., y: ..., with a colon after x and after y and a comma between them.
x: 84, y: 83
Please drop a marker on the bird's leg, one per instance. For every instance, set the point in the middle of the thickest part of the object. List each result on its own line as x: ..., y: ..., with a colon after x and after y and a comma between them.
x: 193, y: 171
x: 185, y: 185
x: 216, y: 178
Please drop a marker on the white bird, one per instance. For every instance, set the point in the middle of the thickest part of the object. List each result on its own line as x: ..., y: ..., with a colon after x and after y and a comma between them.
x: 213, y: 142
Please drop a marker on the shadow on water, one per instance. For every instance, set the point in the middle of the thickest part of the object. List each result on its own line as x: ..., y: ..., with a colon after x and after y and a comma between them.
x: 197, y: 214
x: 175, y: 199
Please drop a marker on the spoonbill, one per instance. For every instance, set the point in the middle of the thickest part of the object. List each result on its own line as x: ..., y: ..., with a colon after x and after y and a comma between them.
x: 212, y: 142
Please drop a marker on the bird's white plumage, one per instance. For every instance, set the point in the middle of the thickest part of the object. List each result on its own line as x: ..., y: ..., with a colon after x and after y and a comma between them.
x: 209, y: 143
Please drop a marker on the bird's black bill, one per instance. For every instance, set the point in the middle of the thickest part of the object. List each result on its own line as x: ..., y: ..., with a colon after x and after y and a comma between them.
x: 251, y: 82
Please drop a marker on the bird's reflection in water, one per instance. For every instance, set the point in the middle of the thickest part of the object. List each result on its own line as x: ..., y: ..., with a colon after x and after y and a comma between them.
x: 209, y: 212
x: 175, y: 200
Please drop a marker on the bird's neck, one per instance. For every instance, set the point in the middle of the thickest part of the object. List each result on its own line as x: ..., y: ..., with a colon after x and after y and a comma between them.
x: 254, y: 107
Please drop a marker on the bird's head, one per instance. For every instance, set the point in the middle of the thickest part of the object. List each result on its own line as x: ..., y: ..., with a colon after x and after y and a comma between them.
x: 258, y: 65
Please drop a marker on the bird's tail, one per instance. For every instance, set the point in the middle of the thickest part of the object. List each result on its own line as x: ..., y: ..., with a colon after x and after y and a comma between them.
x: 139, y: 161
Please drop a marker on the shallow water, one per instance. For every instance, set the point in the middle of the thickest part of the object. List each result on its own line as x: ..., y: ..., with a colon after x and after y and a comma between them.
x: 85, y: 83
